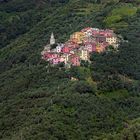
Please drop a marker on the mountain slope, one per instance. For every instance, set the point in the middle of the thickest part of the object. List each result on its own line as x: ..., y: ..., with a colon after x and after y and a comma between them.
x: 43, y: 103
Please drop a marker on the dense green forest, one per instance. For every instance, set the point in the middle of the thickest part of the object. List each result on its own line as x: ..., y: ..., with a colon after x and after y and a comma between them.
x: 41, y: 102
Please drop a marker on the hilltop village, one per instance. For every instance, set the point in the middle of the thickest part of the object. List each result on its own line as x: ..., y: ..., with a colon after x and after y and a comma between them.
x: 79, y: 46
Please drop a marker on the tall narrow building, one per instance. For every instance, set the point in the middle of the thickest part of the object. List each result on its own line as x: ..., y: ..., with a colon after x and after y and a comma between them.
x: 52, y: 39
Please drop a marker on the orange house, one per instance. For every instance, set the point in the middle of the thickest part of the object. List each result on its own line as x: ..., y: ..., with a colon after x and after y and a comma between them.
x: 78, y: 37
x: 99, y: 48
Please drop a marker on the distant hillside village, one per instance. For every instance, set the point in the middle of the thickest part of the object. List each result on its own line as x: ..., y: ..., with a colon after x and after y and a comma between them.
x: 80, y: 46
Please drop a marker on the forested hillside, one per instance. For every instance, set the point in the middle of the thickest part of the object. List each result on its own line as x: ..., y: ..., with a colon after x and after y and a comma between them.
x: 38, y: 101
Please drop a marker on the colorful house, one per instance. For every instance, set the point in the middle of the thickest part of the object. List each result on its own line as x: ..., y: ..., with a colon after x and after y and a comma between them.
x: 75, y: 60
x: 88, y: 46
x: 100, y: 48
x: 66, y: 49
x: 111, y: 39
x: 90, y: 39
x: 57, y: 60
x: 84, y: 54
x: 91, y: 47
x: 77, y: 37
x: 50, y: 55
x: 66, y: 58
x: 88, y: 31
x: 72, y: 44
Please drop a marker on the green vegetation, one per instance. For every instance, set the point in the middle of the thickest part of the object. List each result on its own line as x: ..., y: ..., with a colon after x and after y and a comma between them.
x: 119, y: 13
x: 40, y: 102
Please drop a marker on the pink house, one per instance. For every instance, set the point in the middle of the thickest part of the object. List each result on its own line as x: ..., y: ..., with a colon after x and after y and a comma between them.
x: 46, y: 55
x: 91, y: 47
x: 75, y: 60
x: 49, y: 55
x: 53, y: 55
x: 57, y: 60
x: 62, y: 59
x: 95, y: 31
x: 88, y: 46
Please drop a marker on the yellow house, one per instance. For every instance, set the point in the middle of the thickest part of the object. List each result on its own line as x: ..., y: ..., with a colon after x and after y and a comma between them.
x: 111, y: 40
x: 84, y: 54
x: 78, y: 37
x: 66, y: 58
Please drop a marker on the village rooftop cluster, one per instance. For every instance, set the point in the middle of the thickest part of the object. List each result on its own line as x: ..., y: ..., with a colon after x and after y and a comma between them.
x: 79, y: 46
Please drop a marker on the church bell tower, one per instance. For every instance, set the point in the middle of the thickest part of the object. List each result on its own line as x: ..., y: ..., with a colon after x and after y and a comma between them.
x: 52, y: 39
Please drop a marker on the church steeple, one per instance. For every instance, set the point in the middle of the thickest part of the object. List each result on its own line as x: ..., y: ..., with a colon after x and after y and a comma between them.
x: 52, y: 39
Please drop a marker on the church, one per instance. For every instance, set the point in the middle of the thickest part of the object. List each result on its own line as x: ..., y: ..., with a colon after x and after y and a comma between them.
x: 52, y: 39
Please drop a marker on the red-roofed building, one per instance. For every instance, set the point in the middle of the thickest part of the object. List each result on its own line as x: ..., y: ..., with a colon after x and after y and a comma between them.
x: 66, y: 49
